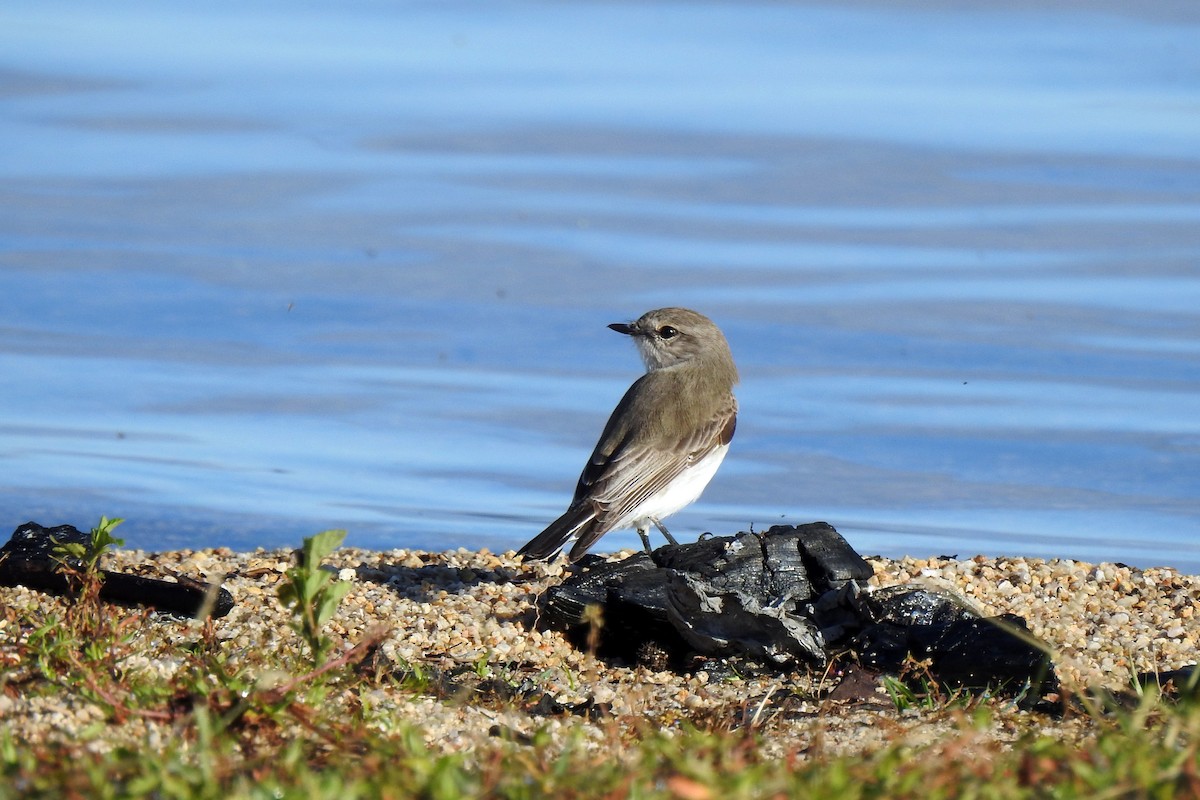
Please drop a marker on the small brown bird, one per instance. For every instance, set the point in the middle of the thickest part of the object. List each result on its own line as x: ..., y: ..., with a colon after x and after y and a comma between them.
x: 663, y: 442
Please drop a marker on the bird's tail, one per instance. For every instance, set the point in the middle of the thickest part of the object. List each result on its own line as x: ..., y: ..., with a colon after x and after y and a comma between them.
x: 576, y: 521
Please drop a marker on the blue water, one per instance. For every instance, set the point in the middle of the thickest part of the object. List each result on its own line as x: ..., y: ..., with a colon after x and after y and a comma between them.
x: 270, y: 267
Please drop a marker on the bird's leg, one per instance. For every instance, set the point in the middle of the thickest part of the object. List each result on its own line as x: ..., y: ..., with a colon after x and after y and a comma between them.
x: 645, y: 538
x: 663, y: 530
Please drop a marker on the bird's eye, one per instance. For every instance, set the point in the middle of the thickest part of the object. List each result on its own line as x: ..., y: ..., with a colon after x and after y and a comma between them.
x: 667, y: 332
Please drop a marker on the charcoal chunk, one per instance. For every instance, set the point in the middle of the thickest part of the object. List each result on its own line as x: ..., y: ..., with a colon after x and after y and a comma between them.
x: 734, y: 623
x: 29, y: 559
x: 831, y: 560
x: 739, y: 595
x: 789, y: 596
x: 904, y: 605
x: 566, y: 604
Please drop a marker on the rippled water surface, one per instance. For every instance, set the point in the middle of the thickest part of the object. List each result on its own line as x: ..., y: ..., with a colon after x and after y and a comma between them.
x: 271, y: 267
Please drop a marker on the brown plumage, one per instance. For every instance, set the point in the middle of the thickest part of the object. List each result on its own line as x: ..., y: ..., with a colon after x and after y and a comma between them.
x: 663, y: 442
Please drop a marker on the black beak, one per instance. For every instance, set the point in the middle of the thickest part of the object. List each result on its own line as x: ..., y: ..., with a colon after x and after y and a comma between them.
x: 621, y: 327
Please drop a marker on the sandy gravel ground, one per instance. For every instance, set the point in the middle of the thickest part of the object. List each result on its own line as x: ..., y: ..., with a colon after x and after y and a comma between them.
x: 464, y: 618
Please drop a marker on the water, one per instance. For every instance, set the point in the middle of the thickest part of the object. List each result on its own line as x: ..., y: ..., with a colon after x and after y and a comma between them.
x: 270, y: 267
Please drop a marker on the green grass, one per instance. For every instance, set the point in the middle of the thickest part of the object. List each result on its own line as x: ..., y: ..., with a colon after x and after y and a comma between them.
x: 300, y: 723
x: 1148, y: 753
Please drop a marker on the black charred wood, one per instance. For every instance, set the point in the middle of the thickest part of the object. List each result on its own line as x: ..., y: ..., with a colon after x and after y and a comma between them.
x: 988, y: 652
x: 789, y: 596
x: 830, y: 559
x: 723, y: 595
x: 904, y: 605
x: 1182, y: 682
x: 595, y: 582
x: 29, y: 559
x: 620, y: 608
x: 964, y: 649
x: 734, y: 623
x: 725, y: 563
x: 36, y: 544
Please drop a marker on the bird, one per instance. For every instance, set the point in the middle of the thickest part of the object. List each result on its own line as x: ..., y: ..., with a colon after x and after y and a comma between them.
x: 663, y: 442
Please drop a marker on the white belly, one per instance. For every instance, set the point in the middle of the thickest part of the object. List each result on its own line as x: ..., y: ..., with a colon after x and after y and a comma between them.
x: 683, y: 491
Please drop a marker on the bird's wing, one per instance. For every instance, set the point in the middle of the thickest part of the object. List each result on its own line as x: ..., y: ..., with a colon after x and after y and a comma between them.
x: 620, y: 474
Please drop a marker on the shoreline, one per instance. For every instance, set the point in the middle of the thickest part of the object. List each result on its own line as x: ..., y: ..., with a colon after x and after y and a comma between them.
x: 464, y: 618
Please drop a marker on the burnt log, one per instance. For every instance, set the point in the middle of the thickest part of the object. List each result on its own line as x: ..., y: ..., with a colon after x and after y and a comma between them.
x: 30, y: 558
x: 723, y: 595
x: 734, y: 623
x: 794, y: 595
